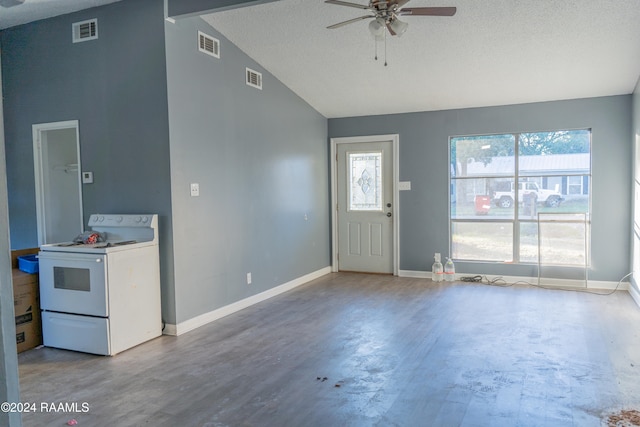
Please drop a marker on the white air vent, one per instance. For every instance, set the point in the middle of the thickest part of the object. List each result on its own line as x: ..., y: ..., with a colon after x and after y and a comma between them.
x: 208, y: 44
x: 254, y: 78
x: 85, y: 30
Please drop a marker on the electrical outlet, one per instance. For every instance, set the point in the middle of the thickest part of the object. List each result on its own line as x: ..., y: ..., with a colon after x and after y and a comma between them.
x: 248, y: 278
x: 195, y: 189
x: 404, y: 186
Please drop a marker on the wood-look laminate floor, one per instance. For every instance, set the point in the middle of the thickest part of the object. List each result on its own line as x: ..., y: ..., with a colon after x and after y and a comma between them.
x: 394, y: 351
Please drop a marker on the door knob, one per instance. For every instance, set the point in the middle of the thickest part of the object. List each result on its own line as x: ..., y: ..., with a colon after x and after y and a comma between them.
x: 389, y: 214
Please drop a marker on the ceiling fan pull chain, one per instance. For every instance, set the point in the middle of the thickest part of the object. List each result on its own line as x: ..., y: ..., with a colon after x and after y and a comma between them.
x: 385, y: 48
x: 375, y: 41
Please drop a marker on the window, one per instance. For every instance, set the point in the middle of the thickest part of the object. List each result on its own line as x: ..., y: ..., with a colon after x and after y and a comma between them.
x: 575, y: 184
x: 518, y: 197
x: 365, y: 191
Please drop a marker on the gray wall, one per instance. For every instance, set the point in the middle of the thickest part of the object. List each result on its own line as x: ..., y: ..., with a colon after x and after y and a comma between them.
x: 424, y: 160
x: 261, y: 159
x: 635, y: 180
x: 116, y: 87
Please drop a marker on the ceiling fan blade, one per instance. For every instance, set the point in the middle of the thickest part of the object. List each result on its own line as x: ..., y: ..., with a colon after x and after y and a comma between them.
x: 346, y: 3
x: 428, y: 11
x: 350, y: 21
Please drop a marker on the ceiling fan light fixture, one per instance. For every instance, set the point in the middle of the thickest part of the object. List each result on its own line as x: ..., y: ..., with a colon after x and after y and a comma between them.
x: 398, y: 26
x: 377, y: 27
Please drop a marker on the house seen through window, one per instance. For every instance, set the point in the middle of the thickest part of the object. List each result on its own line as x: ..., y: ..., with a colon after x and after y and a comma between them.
x: 521, y: 198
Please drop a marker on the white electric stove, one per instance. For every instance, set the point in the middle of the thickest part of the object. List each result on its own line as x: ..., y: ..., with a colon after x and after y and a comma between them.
x: 104, y: 297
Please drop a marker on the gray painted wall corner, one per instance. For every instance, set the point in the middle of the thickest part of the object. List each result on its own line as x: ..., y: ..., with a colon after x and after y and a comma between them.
x: 260, y: 158
x: 115, y: 87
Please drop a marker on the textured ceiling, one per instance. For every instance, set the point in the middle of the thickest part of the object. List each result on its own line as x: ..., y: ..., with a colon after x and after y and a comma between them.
x: 495, y: 52
x: 33, y: 10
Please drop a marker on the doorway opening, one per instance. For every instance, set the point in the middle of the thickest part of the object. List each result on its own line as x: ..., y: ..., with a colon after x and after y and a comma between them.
x: 56, y: 157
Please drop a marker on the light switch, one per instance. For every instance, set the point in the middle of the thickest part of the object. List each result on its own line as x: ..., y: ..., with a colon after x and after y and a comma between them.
x: 195, y: 189
x: 87, y: 177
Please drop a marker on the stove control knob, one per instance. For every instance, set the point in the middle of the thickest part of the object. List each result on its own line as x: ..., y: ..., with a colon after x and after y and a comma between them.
x: 119, y: 219
x: 138, y: 219
x: 145, y: 219
x: 100, y: 218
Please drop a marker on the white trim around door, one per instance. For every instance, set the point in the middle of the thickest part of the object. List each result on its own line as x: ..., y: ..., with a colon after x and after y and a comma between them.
x: 39, y: 139
x: 395, y: 140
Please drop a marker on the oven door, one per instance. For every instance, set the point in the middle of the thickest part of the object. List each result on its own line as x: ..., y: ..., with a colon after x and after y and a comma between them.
x: 73, y: 283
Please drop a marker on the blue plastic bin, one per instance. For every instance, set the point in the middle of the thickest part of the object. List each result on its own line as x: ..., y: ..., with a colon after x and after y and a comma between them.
x: 28, y: 263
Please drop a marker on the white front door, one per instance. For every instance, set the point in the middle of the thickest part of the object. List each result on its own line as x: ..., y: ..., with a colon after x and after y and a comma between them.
x: 365, y: 206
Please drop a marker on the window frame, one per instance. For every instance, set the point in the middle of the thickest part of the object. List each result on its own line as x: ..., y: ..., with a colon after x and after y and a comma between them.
x: 516, y: 220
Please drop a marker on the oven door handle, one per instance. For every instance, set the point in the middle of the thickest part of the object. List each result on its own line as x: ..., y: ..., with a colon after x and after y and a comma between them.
x: 69, y: 257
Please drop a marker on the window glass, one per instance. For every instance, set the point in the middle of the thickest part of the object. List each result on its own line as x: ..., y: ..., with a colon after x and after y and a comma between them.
x: 365, y: 191
x: 553, y: 174
x: 482, y: 197
x: 485, y: 241
x: 492, y: 155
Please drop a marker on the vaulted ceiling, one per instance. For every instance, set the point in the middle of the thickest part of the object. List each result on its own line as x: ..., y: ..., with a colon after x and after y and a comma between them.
x: 489, y: 53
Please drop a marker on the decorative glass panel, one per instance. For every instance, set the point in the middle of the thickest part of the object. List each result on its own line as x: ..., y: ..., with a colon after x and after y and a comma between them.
x: 365, y: 172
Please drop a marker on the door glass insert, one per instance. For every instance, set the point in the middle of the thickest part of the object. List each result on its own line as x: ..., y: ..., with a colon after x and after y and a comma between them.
x: 365, y: 173
x: 72, y: 279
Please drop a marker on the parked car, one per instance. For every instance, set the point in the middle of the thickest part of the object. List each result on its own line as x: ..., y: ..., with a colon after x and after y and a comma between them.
x: 527, y: 190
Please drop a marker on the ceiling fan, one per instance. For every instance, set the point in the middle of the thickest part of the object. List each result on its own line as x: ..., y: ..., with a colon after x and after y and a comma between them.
x: 385, y: 14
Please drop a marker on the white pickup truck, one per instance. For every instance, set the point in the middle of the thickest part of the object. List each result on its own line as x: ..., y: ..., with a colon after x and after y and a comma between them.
x: 504, y: 199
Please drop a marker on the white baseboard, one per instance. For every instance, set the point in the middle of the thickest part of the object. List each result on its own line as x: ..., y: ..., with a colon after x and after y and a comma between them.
x: 415, y: 274
x: 547, y: 282
x: 203, y: 319
x: 170, y: 329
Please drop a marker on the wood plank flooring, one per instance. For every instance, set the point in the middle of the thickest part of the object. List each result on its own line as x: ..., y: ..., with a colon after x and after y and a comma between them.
x: 394, y: 352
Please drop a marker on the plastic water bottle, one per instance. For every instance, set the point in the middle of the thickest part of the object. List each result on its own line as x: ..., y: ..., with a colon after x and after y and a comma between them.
x: 449, y: 271
x: 437, y: 271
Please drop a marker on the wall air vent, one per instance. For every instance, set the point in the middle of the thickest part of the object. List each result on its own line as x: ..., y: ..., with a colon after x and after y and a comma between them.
x: 254, y: 79
x: 85, y: 30
x: 208, y: 44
